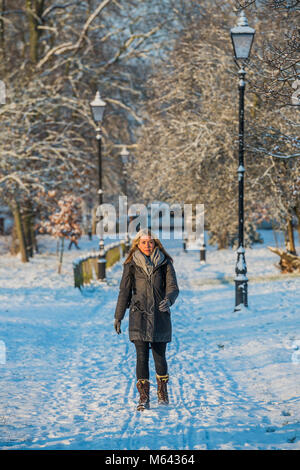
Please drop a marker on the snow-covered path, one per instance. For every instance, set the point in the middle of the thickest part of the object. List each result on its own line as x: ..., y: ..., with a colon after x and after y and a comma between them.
x: 68, y: 381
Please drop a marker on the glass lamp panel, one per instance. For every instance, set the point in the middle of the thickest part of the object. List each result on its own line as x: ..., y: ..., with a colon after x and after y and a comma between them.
x: 242, y: 43
x: 97, y: 107
x: 124, y: 156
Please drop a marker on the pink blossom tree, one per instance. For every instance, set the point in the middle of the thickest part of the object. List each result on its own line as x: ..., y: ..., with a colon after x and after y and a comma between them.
x: 64, y: 223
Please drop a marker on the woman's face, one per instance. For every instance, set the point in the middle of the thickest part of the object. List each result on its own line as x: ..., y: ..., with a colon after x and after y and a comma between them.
x: 146, y: 245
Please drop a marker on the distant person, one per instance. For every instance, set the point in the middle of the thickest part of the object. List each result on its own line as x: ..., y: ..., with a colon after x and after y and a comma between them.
x: 149, y: 287
x: 73, y: 241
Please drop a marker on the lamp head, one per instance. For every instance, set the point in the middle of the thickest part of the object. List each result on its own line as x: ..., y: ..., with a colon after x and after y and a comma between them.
x: 124, y: 155
x: 242, y: 38
x: 97, y: 107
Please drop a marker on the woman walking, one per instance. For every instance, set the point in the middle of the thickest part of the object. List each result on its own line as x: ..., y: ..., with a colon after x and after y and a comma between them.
x: 148, y: 287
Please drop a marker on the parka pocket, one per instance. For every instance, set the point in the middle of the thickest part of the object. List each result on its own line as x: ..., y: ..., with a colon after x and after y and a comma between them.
x: 136, y: 305
x: 136, y: 321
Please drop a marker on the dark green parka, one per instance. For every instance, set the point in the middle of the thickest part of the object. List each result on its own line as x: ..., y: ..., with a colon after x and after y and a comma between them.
x: 142, y: 293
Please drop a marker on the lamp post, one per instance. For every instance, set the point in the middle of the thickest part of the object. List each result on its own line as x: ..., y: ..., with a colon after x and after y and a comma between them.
x: 203, y: 252
x: 125, y: 158
x: 242, y: 39
x: 97, y: 107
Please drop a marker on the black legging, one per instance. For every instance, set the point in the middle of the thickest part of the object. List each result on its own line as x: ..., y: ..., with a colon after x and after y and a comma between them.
x: 142, y: 358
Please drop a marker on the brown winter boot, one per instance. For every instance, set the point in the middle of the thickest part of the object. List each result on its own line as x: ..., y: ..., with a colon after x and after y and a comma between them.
x: 162, y: 391
x: 143, y: 386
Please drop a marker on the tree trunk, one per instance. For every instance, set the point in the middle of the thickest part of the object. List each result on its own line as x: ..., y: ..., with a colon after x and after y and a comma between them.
x: 94, y: 222
x: 2, y: 30
x: 34, y: 10
x: 14, y: 245
x: 61, y: 255
x: 298, y: 226
x: 290, y: 237
x: 20, y: 233
x: 27, y: 224
x: 275, y: 234
x: 223, y: 241
x: 288, y: 263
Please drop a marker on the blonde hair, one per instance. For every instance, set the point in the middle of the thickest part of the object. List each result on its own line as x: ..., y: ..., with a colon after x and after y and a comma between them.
x: 145, y: 233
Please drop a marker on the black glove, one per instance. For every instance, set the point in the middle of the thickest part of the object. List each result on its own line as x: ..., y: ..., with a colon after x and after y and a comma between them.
x: 117, y: 326
x: 164, y: 305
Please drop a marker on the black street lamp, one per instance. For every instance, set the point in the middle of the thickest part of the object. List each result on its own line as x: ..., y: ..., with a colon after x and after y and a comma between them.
x: 125, y: 158
x: 97, y: 107
x: 203, y: 252
x: 242, y: 39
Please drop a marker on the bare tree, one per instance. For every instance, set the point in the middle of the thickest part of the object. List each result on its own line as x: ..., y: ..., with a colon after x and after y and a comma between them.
x: 57, y: 54
x: 189, y: 145
x: 278, y: 64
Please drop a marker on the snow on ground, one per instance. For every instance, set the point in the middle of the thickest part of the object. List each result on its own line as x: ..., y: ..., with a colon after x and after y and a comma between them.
x: 68, y: 380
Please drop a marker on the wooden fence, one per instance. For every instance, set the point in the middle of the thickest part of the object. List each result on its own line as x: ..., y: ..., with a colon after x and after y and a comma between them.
x: 85, y: 268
